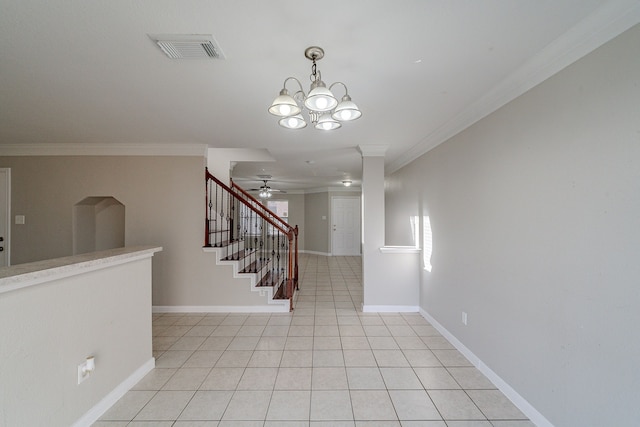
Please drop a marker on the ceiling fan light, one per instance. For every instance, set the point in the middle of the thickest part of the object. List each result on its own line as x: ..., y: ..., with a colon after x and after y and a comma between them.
x: 284, y: 105
x: 326, y: 122
x: 346, y: 110
x: 320, y: 98
x: 293, y: 122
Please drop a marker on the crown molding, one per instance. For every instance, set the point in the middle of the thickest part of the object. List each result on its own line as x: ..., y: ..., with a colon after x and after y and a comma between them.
x: 70, y: 149
x: 352, y: 189
x: 373, y: 150
x: 606, y: 23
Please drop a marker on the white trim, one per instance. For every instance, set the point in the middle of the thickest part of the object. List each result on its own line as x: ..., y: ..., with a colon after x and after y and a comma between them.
x: 343, y: 189
x: 38, y: 272
x: 316, y: 253
x: 400, y: 250
x: 221, y: 308
x: 69, y: 149
x: 390, y: 308
x: 532, y: 413
x: 606, y: 23
x: 110, y: 399
x: 373, y: 150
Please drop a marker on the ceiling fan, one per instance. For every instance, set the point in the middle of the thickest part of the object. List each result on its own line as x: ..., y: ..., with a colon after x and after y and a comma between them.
x: 265, y: 191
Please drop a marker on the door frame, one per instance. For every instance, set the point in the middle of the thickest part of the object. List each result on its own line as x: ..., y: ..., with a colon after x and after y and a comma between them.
x: 358, y: 228
x: 7, y: 240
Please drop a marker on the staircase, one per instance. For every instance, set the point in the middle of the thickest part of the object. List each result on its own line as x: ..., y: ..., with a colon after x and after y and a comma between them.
x: 258, y: 244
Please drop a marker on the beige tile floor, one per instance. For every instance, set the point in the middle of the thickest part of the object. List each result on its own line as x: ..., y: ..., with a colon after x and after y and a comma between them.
x: 325, y: 364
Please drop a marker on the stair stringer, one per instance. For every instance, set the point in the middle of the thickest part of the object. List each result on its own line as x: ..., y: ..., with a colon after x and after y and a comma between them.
x: 254, y: 278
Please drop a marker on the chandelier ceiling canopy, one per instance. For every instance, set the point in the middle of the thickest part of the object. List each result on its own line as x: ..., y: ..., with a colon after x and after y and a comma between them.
x: 325, y: 112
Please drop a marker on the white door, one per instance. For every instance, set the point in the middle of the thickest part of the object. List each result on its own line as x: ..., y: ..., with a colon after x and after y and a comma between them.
x: 5, y: 209
x: 345, y: 229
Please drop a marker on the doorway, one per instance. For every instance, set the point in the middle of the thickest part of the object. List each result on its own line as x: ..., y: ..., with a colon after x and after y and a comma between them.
x: 345, y: 225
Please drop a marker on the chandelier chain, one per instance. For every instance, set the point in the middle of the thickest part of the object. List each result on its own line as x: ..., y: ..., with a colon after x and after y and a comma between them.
x: 314, y: 71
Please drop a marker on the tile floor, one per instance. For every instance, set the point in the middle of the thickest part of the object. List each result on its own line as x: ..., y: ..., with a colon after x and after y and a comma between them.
x: 326, y: 364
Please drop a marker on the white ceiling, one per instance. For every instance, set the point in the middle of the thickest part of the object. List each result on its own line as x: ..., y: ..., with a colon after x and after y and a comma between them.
x: 86, y: 72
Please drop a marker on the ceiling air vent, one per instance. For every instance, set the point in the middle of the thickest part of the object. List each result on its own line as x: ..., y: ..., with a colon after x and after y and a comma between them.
x: 191, y: 46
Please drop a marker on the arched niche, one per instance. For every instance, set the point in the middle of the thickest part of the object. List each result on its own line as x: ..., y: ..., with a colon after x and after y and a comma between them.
x: 98, y: 224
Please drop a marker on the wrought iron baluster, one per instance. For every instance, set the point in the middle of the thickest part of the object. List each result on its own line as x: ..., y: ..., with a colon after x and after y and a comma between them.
x: 239, y: 224
x: 250, y: 222
x: 208, y: 215
x: 215, y: 219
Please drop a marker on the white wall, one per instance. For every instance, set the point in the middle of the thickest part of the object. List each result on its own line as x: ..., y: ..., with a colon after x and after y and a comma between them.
x: 535, y: 212
x: 48, y: 329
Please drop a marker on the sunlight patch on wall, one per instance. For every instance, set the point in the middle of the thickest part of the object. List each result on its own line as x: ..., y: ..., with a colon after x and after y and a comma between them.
x: 415, y: 230
x: 427, y: 242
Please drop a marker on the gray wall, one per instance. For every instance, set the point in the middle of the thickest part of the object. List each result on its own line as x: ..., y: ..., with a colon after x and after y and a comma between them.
x: 164, y: 205
x: 316, y: 205
x: 535, y: 212
x: 317, y: 230
x: 296, y: 214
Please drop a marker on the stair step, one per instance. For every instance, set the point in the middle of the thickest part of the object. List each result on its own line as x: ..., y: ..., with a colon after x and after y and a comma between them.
x: 241, y: 254
x: 272, y: 278
x: 256, y: 266
x: 280, y: 293
x: 223, y: 243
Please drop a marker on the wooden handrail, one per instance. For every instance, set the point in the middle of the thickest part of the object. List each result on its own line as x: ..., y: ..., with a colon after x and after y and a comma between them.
x: 262, y: 206
x: 247, y: 204
x: 234, y: 196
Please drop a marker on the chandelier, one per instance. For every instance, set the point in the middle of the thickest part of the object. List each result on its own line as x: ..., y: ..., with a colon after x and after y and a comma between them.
x: 325, y: 112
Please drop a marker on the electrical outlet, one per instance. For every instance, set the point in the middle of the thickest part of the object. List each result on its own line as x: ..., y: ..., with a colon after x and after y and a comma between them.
x: 464, y: 318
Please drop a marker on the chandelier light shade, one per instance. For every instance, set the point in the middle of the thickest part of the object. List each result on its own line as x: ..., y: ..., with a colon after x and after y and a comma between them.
x: 327, y: 122
x: 320, y: 98
x: 293, y: 122
x: 284, y: 105
x: 324, y: 110
x: 346, y: 110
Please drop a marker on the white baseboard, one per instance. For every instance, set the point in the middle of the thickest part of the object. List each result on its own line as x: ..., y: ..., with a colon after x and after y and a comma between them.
x: 316, y: 253
x: 272, y: 308
x: 110, y: 399
x: 532, y: 413
x: 390, y: 308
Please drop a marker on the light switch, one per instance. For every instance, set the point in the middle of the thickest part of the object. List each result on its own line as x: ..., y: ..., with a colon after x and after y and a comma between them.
x: 19, y: 219
x: 324, y: 217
